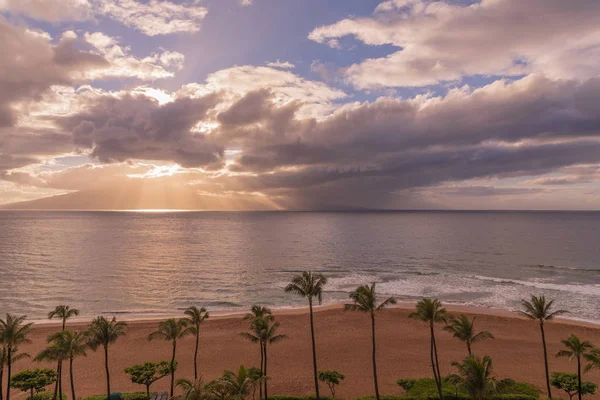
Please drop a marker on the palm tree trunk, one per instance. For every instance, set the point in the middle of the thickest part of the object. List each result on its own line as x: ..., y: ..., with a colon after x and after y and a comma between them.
x: 314, y: 349
x: 374, y: 355
x: 437, y: 364
x: 262, y: 374
x: 9, y: 370
x: 196, y: 353
x: 172, y: 366
x: 107, y: 372
x: 60, y: 388
x: 435, y: 377
x: 71, y: 379
x: 546, y: 361
x: 579, y: 377
x: 265, y: 351
x: 55, y: 396
x: 469, y: 349
x: 1, y: 376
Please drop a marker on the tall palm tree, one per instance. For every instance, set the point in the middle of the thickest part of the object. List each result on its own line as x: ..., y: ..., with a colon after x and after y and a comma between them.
x: 464, y: 330
x: 195, y: 316
x: 258, y: 313
x: 103, y: 332
x: 576, y: 348
x: 68, y: 345
x: 171, y: 330
x: 265, y: 334
x: 541, y: 310
x: 310, y: 285
x: 16, y: 356
x: 13, y: 332
x: 64, y: 313
x: 365, y: 300
x: 432, y: 312
x: 55, y: 352
x: 475, y: 376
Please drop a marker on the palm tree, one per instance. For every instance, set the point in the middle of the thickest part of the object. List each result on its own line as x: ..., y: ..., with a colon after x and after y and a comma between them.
x: 541, y: 310
x: 265, y: 334
x: 193, y: 390
x: 464, y: 330
x: 195, y: 317
x: 594, y: 360
x: 310, y: 285
x: 64, y: 313
x: 13, y: 332
x: 16, y: 356
x: 576, y: 348
x: 365, y: 300
x: 432, y: 312
x: 474, y: 375
x: 171, y: 330
x: 239, y: 385
x: 103, y: 332
x: 258, y: 313
x: 55, y: 352
x: 69, y: 344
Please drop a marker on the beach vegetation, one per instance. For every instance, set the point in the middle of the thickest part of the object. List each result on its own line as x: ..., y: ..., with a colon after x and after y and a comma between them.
x: 541, y: 310
x: 310, y: 285
x: 102, y: 333
x: 463, y: 329
x: 576, y: 349
x: 432, y: 312
x: 406, y: 384
x: 15, y: 356
x: 126, y: 396
x: 256, y: 316
x: 365, y: 300
x: 195, y: 316
x: 14, y: 331
x: 569, y: 383
x: 148, y: 373
x: 171, y: 330
x: 193, y: 390
x: 33, y: 381
x: 264, y: 332
x: 331, y: 379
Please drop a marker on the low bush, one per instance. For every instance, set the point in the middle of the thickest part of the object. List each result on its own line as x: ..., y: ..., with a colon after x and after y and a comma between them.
x: 508, y: 386
x: 287, y: 397
x: 126, y: 396
x: 47, y: 396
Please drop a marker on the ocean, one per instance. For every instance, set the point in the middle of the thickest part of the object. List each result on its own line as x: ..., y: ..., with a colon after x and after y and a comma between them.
x: 144, y: 265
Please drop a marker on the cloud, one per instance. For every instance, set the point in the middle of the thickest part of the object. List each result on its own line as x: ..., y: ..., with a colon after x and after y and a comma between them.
x: 153, y: 17
x: 139, y: 127
x: 441, y: 42
x: 281, y: 64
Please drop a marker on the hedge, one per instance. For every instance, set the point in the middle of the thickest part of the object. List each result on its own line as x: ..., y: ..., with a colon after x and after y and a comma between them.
x: 287, y: 397
x: 126, y: 396
x: 47, y: 396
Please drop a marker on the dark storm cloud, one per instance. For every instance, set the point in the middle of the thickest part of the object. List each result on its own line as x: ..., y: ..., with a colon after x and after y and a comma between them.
x: 138, y: 127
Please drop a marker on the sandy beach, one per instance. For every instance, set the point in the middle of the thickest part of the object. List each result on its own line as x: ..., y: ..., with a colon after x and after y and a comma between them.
x: 343, y: 344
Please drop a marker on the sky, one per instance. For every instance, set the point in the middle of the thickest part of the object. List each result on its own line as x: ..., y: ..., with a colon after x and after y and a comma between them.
x: 300, y: 104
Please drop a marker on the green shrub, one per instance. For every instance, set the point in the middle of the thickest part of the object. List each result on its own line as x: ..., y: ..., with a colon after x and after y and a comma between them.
x: 126, y: 396
x: 508, y: 386
x: 287, y: 397
x: 48, y: 396
x: 513, y: 396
